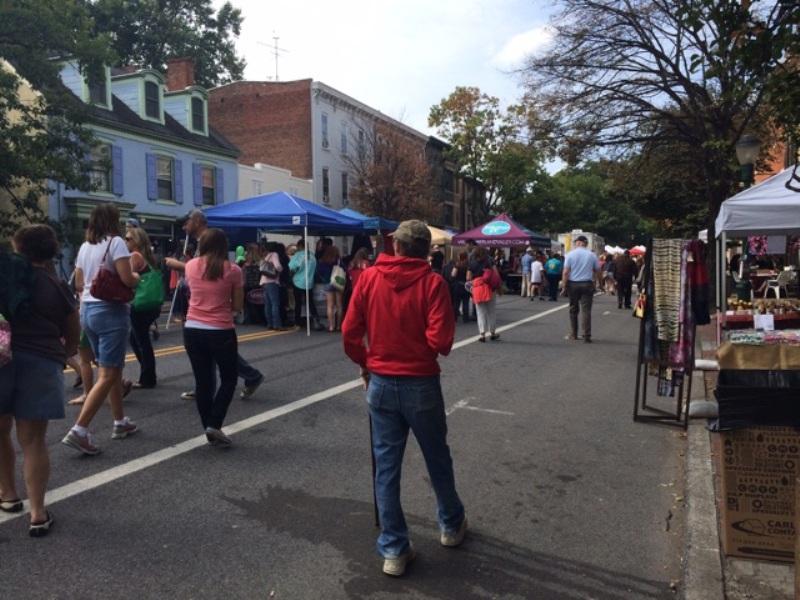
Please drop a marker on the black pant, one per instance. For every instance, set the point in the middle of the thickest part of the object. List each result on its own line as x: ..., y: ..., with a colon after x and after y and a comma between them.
x: 460, y: 300
x: 142, y: 346
x: 581, y: 296
x: 284, y: 305
x: 208, y: 349
x: 300, y: 302
x: 552, y: 286
x: 624, y: 291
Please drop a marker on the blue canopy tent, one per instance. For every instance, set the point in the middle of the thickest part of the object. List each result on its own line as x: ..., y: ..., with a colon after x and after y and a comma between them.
x: 374, y: 224
x: 280, y: 212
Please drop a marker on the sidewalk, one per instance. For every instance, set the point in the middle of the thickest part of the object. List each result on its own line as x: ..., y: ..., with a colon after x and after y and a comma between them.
x: 708, y: 574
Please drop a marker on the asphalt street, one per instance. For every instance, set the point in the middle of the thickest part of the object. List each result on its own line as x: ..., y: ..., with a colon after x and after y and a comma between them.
x: 566, y: 496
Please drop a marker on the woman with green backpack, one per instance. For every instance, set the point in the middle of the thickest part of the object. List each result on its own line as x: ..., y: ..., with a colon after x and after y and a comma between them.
x: 146, y: 305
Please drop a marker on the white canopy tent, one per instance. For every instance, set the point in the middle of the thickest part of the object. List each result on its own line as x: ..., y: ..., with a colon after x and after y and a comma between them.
x: 768, y: 208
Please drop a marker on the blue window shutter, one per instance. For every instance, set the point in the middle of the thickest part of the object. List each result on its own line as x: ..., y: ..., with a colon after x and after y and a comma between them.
x: 178, y: 175
x: 116, y: 169
x: 152, y: 184
x: 197, y: 185
x: 219, y: 182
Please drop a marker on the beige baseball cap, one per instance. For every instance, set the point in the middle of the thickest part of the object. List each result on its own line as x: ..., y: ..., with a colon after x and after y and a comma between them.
x: 411, y: 230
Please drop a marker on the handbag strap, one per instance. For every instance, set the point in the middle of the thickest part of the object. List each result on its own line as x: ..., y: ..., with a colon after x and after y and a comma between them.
x: 105, y: 254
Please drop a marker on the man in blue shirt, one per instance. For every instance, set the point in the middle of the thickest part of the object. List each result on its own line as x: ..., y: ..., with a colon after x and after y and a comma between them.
x: 580, y: 267
x: 552, y: 270
x: 527, y: 261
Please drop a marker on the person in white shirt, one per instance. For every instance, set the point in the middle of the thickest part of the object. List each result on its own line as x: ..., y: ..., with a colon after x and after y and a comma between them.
x: 106, y: 324
x: 536, y: 278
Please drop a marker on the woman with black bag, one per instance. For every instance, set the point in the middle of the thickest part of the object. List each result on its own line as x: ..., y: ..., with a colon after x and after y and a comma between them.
x: 104, y: 278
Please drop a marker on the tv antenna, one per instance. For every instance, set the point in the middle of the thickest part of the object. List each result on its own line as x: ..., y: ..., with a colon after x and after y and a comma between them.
x: 275, y: 50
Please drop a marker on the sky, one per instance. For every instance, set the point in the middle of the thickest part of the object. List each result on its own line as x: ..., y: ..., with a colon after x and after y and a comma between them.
x: 398, y: 56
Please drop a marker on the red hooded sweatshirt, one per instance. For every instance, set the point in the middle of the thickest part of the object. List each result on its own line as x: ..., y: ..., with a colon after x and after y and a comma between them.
x: 404, y: 310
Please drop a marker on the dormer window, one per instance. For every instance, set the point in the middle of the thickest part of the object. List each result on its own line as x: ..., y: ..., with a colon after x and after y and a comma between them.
x: 198, y: 115
x: 98, y: 91
x: 152, y: 107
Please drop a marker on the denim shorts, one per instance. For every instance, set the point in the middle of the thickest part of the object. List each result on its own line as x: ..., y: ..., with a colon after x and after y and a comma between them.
x: 32, y: 388
x: 106, y: 325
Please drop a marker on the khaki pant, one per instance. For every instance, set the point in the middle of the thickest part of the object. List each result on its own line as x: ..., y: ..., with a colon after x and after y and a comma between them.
x: 526, y: 284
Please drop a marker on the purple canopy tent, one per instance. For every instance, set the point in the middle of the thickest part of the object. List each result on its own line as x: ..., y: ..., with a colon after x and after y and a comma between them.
x: 501, y: 231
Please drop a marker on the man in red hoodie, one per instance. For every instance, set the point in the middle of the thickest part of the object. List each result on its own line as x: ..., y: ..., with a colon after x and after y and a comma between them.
x: 404, y: 310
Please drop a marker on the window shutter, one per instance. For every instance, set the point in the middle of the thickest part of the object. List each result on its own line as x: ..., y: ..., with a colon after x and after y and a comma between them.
x: 152, y: 184
x: 219, y: 183
x: 178, y: 174
x: 197, y: 185
x: 116, y: 169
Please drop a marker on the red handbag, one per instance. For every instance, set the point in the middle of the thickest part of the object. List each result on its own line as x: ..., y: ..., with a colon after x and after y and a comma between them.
x: 107, y: 284
x: 481, y: 291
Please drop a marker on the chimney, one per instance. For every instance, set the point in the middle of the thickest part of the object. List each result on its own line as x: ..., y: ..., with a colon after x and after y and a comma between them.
x: 180, y: 73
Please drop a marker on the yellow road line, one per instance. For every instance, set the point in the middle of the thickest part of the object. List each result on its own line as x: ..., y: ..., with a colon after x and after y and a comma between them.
x: 172, y: 350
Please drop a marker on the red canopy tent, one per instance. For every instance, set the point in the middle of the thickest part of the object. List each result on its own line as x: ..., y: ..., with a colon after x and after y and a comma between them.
x: 501, y: 231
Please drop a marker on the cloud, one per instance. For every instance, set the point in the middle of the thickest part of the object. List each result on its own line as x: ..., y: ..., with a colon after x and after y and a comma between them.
x: 397, y: 56
x: 522, y: 45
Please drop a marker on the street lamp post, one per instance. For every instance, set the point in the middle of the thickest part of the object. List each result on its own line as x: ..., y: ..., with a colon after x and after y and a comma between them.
x: 747, y: 149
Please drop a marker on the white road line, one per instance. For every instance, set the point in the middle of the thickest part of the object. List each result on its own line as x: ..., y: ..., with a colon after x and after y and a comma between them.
x: 139, y: 464
x: 464, y: 404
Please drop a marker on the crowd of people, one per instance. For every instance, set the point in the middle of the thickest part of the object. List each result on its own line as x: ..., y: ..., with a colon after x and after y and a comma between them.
x: 117, y: 294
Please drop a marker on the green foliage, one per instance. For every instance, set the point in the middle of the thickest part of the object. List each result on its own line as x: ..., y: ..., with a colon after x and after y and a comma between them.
x: 149, y: 32
x: 41, y: 133
x: 478, y: 132
x: 586, y: 198
x: 622, y: 78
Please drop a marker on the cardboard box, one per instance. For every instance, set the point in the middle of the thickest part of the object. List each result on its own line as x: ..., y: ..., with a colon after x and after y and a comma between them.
x: 759, y: 468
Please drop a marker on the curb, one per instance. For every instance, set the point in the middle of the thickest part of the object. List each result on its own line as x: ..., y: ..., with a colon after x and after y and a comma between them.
x: 702, y: 566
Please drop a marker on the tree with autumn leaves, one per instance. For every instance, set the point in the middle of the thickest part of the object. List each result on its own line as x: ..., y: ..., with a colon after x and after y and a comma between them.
x: 391, y: 175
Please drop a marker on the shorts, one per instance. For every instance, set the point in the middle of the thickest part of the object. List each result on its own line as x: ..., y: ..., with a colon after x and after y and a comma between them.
x: 107, y: 325
x: 32, y: 388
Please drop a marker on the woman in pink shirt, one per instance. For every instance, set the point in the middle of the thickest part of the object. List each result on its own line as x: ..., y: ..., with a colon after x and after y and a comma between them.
x: 216, y: 292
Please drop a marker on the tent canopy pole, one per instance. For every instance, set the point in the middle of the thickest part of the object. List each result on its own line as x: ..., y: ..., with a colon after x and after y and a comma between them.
x: 308, y: 292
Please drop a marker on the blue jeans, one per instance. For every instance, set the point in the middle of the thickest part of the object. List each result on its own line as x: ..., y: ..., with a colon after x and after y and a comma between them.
x: 272, y: 305
x: 106, y: 325
x: 397, y: 404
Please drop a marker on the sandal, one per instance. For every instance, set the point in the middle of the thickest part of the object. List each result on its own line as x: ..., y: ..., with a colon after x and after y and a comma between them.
x: 42, y: 528
x: 11, y: 506
x: 482, y: 338
x: 494, y: 336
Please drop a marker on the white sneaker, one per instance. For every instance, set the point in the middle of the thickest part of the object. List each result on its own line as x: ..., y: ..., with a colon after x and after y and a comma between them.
x: 453, y: 539
x: 396, y: 566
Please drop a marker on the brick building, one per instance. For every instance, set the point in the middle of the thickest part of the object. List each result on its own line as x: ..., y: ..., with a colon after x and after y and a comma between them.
x: 311, y: 129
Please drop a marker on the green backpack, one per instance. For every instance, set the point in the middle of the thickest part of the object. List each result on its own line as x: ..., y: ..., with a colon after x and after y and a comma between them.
x: 149, y: 292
